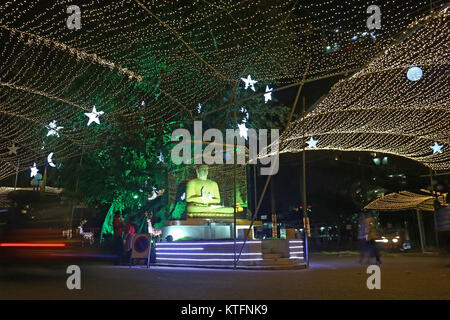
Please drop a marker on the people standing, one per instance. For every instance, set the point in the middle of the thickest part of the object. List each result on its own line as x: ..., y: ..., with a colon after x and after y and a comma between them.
x: 130, y: 231
x: 118, y: 225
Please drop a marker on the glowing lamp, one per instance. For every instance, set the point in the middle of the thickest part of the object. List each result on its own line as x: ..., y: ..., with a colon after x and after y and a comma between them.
x: 177, y: 234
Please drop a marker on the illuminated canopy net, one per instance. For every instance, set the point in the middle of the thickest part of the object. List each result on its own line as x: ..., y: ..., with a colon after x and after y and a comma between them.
x: 405, y: 200
x: 379, y: 109
x: 145, y: 62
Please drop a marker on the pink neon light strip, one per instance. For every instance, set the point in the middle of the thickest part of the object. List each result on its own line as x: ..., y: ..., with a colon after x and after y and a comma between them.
x: 159, y: 249
x: 186, y: 259
x: 206, y: 254
x: 201, y: 243
x: 25, y: 244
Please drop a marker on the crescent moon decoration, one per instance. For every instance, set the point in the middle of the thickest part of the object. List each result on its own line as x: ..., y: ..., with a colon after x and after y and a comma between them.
x: 49, y: 160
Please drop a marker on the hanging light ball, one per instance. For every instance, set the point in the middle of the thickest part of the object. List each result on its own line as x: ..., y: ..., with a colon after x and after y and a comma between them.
x: 414, y: 73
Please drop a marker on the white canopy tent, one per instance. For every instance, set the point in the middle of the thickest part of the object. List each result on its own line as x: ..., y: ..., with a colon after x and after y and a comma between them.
x: 405, y: 200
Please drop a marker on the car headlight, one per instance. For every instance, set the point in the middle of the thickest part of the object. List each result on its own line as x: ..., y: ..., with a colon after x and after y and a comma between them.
x: 395, y: 240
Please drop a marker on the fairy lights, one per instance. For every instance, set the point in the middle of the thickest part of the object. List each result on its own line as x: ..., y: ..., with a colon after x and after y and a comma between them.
x: 378, y: 109
x: 405, y: 200
x: 172, y: 55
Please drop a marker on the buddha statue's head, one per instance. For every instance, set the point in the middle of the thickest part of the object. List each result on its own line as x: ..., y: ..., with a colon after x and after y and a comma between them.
x: 202, y: 172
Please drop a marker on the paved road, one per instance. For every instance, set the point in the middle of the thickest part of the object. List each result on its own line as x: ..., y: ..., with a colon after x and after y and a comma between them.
x: 403, y: 277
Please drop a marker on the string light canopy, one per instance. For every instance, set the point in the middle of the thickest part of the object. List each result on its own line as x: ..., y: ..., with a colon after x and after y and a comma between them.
x: 175, y: 56
x: 405, y: 200
x: 378, y: 109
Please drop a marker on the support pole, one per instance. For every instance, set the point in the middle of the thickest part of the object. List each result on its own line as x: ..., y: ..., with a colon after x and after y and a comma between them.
x: 234, y: 172
x: 420, y: 225
x: 255, y: 214
x: 304, y: 201
x: 254, y: 186
x: 76, y: 189
x: 17, y: 174
x: 436, y: 232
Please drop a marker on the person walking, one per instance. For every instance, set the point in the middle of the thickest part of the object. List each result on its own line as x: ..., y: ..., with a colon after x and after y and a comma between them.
x: 372, y: 235
x: 362, y: 239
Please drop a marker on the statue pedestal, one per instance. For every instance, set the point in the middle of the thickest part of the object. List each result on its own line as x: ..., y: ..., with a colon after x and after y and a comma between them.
x: 206, y: 229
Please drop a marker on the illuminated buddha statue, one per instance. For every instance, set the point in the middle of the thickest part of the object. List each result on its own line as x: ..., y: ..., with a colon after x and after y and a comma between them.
x: 203, y: 197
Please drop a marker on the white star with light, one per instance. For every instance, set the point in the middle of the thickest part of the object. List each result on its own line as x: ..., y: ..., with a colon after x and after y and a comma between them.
x: 94, y: 116
x: 268, y: 94
x: 312, y: 143
x: 243, y: 130
x: 249, y: 82
x: 49, y: 160
x: 53, y: 129
x: 436, y: 148
x: 34, y: 170
x: 160, y: 157
x: 13, y: 149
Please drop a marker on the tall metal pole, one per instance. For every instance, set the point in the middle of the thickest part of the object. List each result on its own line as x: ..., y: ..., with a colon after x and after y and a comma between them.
x: 254, y: 186
x: 263, y: 192
x: 305, y: 204
x: 234, y: 172
x: 421, y: 231
x: 436, y: 234
x: 17, y: 173
x: 76, y: 188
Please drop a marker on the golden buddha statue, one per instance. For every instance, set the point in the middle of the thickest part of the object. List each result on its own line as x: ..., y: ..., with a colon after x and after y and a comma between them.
x: 203, y: 197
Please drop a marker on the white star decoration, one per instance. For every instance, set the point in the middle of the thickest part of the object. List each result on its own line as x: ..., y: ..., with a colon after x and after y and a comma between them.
x: 312, y: 143
x: 160, y: 157
x: 94, y: 116
x: 13, y: 149
x: 436, y: 148
x: 49, y: 160
x: 268, y: 94
x: 34, y: 170
x: 249, y: 82
x: 53, y: 129
x: 243, y: 130
x: 199, y: 108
